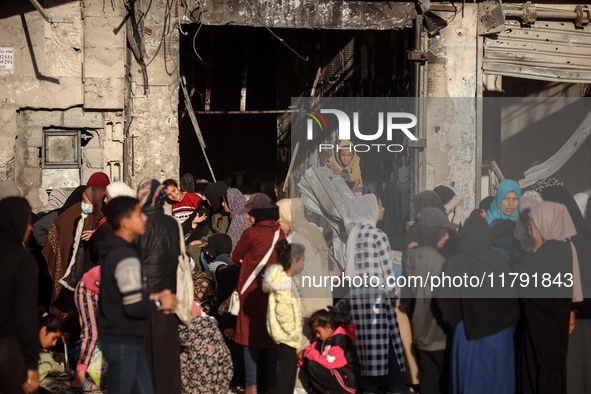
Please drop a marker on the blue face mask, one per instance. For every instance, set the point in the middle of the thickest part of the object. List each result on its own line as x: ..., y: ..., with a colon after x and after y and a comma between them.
x: 86, y: 208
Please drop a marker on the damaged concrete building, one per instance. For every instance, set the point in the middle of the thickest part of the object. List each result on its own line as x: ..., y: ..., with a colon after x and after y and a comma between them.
x: 102, y: 85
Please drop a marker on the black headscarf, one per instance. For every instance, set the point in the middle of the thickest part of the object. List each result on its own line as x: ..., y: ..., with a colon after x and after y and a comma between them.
x: 582, y: 242
x: 74, y: 198
x: 427, y: 199
x: 188, y: 182
x: 445, y: 193
x: 430, y: 199
x: 214, y: 192
x: 219, y: 244
x: 15, y: 213
x: 486, y: 202
x: 482, y: 316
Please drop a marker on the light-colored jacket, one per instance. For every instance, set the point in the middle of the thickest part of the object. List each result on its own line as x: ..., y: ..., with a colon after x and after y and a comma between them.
x: 284, y: 316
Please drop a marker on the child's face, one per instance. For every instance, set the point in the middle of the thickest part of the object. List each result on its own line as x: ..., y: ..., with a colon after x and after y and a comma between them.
x: 346, y: 155
x: 48, y: 339
x: 297, y: 266
x: 323, y: 333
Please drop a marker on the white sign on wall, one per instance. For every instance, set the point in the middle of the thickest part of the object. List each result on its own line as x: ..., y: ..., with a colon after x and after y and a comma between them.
x: 6, y: 58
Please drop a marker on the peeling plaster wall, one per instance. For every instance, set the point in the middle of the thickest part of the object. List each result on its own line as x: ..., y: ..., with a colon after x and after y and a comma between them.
x: 74, y: 76
x: 451, y: 123
x: 152, y: 139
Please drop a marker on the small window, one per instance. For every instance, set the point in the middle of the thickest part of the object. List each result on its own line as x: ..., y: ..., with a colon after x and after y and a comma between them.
x: 61, y: 149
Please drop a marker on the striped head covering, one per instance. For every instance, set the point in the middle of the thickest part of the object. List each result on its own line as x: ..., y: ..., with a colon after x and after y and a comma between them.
x: 546, y: 182
x: 151, y: 193
x: 57, y: 199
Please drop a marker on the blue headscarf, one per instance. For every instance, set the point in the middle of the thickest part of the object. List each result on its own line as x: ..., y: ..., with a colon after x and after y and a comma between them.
x: 494, y: 215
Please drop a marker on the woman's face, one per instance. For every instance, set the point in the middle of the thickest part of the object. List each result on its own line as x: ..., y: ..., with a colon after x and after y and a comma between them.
x: 509, y: 204
x: 381, y: 210
x: 346, y: 155
x: 225, y: 205
x: 48, y: 339
x: 173, y: 193
x: 107, y: 198
x: 86, y: 200
x: 535, y: 235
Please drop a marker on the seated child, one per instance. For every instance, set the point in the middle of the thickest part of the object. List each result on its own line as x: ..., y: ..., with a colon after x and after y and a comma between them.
x: 331, y: 362
x: 284, y: 316
x: 52, y: 328
x: 346, y: 163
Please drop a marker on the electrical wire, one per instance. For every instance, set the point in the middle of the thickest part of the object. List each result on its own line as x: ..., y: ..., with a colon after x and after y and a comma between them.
x: 194, y: 48
x: 276, y: 36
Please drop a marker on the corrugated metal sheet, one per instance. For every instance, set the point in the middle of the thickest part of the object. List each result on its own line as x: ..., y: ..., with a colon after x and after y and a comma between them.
x: 550, y: 51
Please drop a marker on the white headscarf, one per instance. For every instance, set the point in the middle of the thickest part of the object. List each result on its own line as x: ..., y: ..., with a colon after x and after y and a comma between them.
x: 363, y: 211
x: 119, y: 189
x: 582, y: 199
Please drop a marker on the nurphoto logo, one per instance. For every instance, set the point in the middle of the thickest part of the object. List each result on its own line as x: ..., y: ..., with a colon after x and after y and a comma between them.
x: 394, y: 122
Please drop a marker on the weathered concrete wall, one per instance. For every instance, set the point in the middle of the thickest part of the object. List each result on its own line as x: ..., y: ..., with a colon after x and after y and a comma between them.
x: 451, y: 122
x: 72, y: 76
x: 152, y: 148
x: 308, y: 14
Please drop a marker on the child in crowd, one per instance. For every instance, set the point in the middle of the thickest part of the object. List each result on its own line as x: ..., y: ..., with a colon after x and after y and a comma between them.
x: 86, y: 299
x: 52, y: 329
x: 284, y: 316
x: 125, y: 302
x: 331, y: 362
x: 183, y: 202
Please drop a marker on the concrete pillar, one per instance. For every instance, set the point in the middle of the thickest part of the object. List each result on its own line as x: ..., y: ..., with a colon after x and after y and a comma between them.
x: 451, y: 128
x: 151, y: 147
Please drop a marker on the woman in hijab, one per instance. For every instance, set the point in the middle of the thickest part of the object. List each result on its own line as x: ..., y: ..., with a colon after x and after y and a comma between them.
x: 372, y: 309
x: 483, y: 356
x: 579, y: 379
x: 98, y: 179
x: 299, y: 230
x: 90, y: 219
x: 502, y: 215
x: 119, y: 189
x: 234, y: 200
x: 542, y: 335
x: 42, y: 226
x: 56, y: 200
x: 58, y: 246
x: 429, y: 332
x: 454, y: 205
x: 430, y: 199
x: 346, y: 164
x: 159, y: 249
x: 19, y: 327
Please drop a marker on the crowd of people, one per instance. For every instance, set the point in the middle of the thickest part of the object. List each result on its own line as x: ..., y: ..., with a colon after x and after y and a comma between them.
x: 101, y: 274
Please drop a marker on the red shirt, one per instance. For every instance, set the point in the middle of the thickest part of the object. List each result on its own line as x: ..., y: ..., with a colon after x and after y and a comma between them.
x: 183, y: 209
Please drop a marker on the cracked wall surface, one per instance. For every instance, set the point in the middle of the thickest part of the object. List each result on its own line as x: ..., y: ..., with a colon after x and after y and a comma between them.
x: 75, y: 76
x: 451, y: 110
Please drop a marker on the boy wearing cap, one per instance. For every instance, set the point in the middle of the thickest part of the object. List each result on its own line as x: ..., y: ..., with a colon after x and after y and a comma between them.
x: 251, y: 326
x: 421, y: 263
